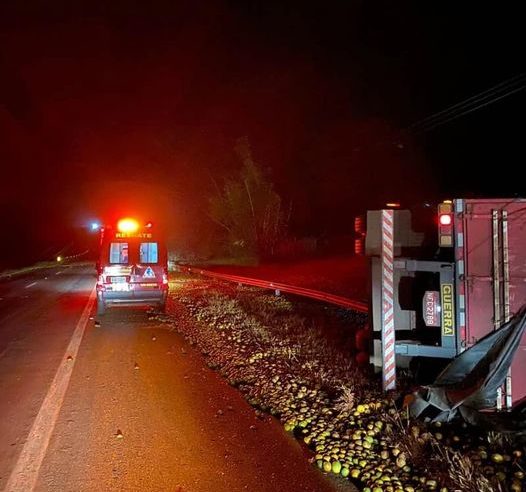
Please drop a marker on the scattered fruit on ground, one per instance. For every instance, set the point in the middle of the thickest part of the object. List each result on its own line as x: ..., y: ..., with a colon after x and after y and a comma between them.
x: 297, y: 361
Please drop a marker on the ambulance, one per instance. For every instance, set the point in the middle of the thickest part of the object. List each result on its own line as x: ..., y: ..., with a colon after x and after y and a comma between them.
x: 132, y: 268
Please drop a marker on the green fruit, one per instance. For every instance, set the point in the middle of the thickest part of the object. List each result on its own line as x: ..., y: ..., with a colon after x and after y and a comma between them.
x: 344, y: 472
x: 327, y: 466
x: 336, y: 467
x: 516, y: 487
x: 432, y: 484
x: 400, y: 461
x: 497, y: 458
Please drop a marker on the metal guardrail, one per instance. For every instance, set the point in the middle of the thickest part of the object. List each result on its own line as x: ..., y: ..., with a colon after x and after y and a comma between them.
x: 359, y: 306
x: 73, y: 257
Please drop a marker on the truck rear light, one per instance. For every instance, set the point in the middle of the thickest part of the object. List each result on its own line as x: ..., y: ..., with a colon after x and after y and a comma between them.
x: 445, y: 224
x: 165, y: 278
x: 445, y: 219
x: 445, y: 241
x: 359, y: 235
x: 359, y: 246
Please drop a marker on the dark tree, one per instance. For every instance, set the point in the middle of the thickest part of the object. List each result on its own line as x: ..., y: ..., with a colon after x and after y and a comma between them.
x: 248, y: 209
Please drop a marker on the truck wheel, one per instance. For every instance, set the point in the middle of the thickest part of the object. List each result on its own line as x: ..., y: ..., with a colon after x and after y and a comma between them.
x: 101, y: 307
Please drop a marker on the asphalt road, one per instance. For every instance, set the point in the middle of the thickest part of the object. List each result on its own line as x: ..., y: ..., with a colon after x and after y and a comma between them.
x: 126, y: 405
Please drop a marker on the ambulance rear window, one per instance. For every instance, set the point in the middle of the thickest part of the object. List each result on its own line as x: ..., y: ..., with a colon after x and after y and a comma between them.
x: 148, y: 253
x: 119, y: 253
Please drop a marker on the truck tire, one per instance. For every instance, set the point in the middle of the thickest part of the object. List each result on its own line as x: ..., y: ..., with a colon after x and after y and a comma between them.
x: 101, y: 307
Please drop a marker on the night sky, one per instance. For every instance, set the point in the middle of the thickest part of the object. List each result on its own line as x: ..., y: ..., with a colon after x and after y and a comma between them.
x: 135, y: 107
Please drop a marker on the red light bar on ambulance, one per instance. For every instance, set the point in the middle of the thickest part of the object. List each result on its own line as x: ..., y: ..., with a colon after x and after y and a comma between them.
x: 445, y: 224
x: 127, y: 225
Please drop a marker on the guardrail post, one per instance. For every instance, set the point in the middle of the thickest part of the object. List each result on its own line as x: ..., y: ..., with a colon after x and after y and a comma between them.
x: 388, y: 331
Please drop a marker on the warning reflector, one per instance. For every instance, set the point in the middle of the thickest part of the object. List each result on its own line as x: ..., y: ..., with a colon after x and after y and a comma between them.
x: 148, y: 273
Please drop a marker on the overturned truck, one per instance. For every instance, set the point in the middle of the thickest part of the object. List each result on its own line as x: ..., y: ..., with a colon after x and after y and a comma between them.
x: 455, y: 304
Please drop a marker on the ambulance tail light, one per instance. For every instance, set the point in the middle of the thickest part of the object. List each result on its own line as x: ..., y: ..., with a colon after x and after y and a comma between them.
x: 100, y: 282
x: 445, y: 224
x: 165, y: 278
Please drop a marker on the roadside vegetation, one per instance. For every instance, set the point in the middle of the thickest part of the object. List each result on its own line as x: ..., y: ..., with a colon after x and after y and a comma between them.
x: 247, y: 209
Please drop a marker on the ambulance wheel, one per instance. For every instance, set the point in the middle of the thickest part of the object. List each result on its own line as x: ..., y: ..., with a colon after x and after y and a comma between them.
x: 101, y: 307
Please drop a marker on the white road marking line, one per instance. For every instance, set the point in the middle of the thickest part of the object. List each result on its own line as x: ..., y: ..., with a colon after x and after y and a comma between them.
x: 58, y: 273
x: 25, y: 473
x: 31, y: 285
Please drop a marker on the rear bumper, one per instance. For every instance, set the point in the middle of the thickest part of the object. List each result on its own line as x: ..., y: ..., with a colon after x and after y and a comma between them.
x: 133, y: 298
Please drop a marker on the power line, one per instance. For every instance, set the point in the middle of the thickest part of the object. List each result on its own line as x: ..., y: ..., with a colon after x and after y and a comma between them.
x: 473, y: 103
x: 486, y: 97
x: 441, y: 122
x: 473, y: 99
